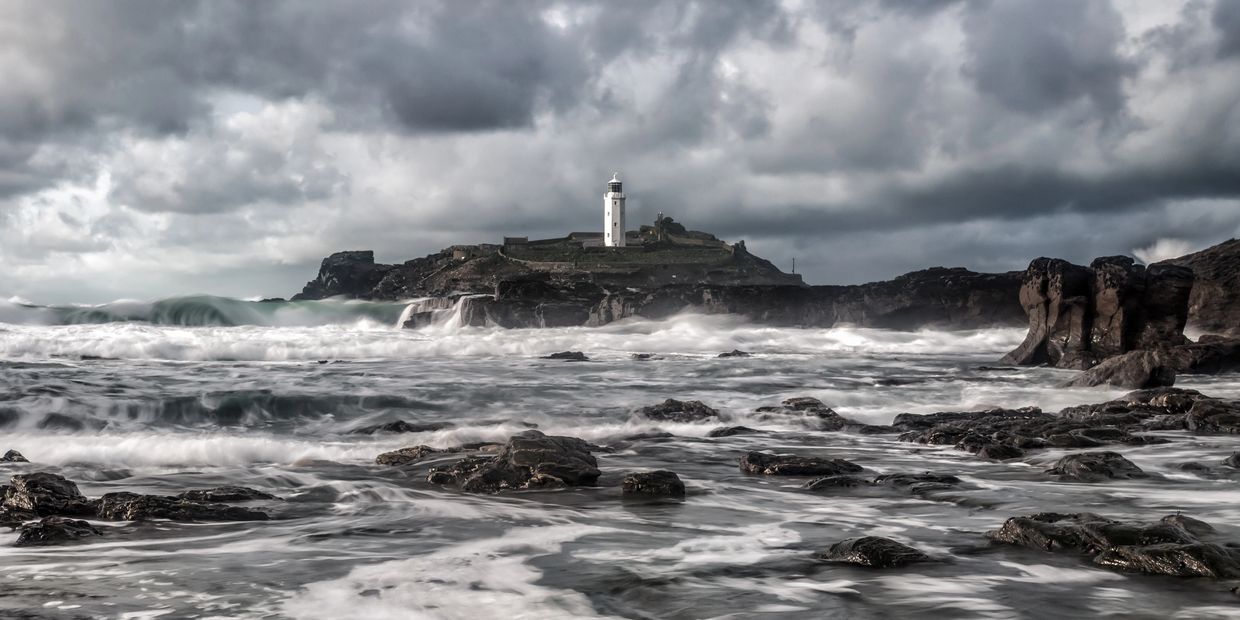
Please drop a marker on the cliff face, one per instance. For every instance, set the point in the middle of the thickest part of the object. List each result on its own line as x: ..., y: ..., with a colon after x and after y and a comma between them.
x: 349, y: 274
x: 1214, y: 305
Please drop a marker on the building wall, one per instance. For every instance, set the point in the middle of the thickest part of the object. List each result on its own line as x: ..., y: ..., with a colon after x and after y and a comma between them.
x: 613, y: 220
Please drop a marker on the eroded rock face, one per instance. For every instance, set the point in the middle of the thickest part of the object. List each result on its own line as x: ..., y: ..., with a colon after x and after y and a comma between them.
x: 351, y: 274
x: 672, y: 410
x: 660, y: 483
x: 47, y: 494
x: 789, y: 465
x: 1164, y: 548
x: 530, y: 460
x: 873, y: 551
x: 1214, y: 304
x: 54, y: 531
x: 125, y: 506
x: 1096, y: 467
x: 1079, y: 316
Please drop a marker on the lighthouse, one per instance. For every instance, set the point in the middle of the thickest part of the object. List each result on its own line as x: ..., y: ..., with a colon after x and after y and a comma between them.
x: 613, y: 213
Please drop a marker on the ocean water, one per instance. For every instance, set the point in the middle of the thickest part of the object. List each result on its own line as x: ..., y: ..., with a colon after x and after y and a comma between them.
x: 199, y: 392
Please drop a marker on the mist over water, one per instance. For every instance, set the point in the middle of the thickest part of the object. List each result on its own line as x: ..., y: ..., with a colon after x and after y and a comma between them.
x: 147, y: 399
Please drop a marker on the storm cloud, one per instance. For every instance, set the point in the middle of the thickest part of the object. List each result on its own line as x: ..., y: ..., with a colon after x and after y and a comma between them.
x: 156, y: 148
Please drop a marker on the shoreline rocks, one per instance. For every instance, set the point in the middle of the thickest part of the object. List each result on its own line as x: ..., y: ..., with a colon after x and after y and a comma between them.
x: 527, y: 461
x: 790, y: 465
x: 652, y: 484
x: 13, y: 456
x: 678, y: 411
x: 874, y: 552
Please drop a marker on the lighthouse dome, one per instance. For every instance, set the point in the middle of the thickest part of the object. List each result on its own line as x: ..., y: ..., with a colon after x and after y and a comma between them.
x: 614, y: 184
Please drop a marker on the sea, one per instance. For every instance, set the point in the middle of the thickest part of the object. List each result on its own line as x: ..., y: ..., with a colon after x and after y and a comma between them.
x: 197, y: 392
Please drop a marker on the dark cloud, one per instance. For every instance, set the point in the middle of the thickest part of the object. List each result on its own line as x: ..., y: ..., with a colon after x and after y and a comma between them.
x: 1227, y: 19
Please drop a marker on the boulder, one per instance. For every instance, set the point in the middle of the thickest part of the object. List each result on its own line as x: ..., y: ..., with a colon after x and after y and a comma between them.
x: 1214, y: 416
x: 1177, y: 560
x: 1095, y: 467
x: 53, y: 531
x: 1233, y: 460
x: 13, y: 456
x: 125, y: 506
x: 1083, y: 533
x: 530, y: 460
x: 789, y: 465
x: 874, y: 552
x: 672, y: 410
x: 46, y: 494
x: 225, y: 494
x: 660, y: 483
x: 1134, y: 369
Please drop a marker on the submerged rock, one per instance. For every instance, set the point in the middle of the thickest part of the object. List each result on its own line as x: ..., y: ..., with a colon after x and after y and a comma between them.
x: 660, y: 483
x: 530, y: 460
x: 873, y: 551
x: 401, y: 426
x: 918, y: 483
x: 789, y: 465
x: 125, y: 506
x: 731, y: 431
x: 225, y: 494
x: 13, y: 456
x: 1095, y: 467
x: 53, y: 531
x: 672, y: 410
x: 568, y: 356
x: 47, y: 494
x: 810, y: 411
x: 735, y: 353
x: 832, y: 483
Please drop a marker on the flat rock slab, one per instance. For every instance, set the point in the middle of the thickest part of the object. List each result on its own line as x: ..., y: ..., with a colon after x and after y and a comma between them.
x: 790, y: 465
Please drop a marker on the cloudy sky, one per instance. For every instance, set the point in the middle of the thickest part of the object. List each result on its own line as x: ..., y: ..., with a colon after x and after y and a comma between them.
x: 159, y: 148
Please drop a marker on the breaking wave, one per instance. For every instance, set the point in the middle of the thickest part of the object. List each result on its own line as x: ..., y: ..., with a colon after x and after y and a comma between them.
x: 205, y: 311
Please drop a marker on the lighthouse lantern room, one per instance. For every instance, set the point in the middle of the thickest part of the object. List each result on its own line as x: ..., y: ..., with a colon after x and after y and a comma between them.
x: 613, y: 213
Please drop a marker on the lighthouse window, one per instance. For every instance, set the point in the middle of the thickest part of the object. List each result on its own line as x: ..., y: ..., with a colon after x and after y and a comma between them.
x: 615, y: 202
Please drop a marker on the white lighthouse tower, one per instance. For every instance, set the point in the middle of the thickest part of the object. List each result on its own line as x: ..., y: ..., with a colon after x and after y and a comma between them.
x: 613, y: 213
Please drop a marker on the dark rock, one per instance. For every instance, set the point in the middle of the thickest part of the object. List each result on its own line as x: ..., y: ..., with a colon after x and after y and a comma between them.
x: 406, y: 456
x: 47, y: 494
x: 13, y: 456
x: 1177, y: 560
x: 1214, y: 303
x: 735, y: 353
x: 1233, y: 460
x: 831, y: 483
x: 568, y: 356
x: 349, y: 274
x: 12, y: 518
x: 225, y: 494
x: 401, y: 426
x: 907, y: 480
x: 1134, y: 369
x: 730, y: 431
x: 1095, y: 467
x: 788, y: 465
x: 530, y: 460
x: 1214, y: 416
x: 672, y: 410
x: 1000, y: 452
x: 873, y: 551
x: 659, y: 483
x: 53, y: 531
x: 1196, y: 527
x: 641, y: 357
x: 1079, y: 316
x: 125, y: 506
x: 810, y: 411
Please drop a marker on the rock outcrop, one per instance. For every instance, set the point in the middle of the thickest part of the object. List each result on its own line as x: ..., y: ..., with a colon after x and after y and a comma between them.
x: 1214, y: 304
x: 13, y: 456
x: 347, y: 274
x: 790, y: 465
x: 1134, y: 370
x: 1079, y: 316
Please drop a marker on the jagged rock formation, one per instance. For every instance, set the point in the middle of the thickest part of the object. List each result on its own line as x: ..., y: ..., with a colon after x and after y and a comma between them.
x: 1214, y: 304
x: 1079, y: 316
x: 348, y: 274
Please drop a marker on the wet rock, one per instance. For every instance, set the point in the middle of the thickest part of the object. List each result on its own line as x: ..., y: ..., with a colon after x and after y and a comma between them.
x: 1177, y: 560
x: 225, y: 494
x: 406, y: 456
x: 672, y: 410
x: 1233, y: 460
x: 918, y: 482
x: 1196, y: 527
x: 47, y: 494
x: 401, y: 426
x: 642, y: 357
x: 1095, y: 467
x: 735, y: 353
x: 1000, y: 452
x: 54, y: 531
x: 530, y: 460
x: 125, y: 506
x: 12, y: 518
x: 1135, y: 369
x: 832, y: 483
x: 789, y: 465
x: 873, y: 551
x: 731, y: 431
x: 568, y: 356
x: 659, y: 483
x: 1214, y: 416
x: 13, y: 456
x: 811, y: 411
